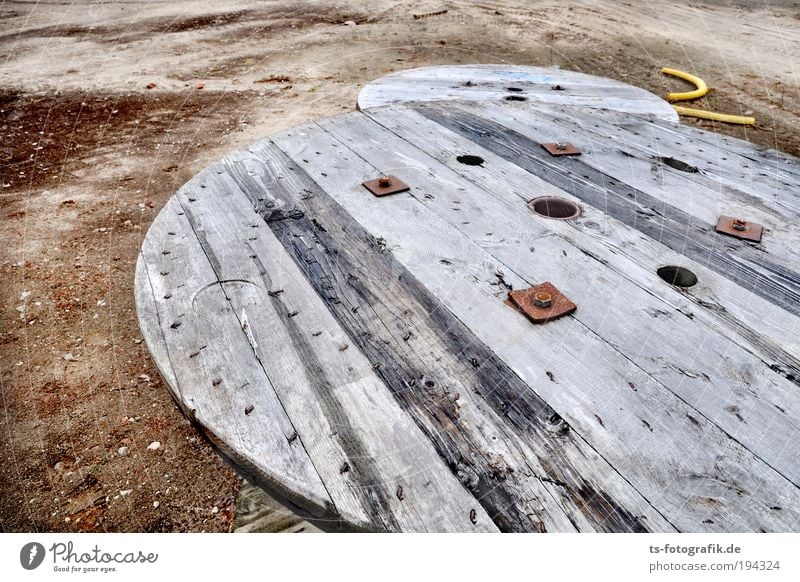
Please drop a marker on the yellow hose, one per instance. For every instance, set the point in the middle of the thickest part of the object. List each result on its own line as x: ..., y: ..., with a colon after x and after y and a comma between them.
x: 696, y: 81
x: 738, y: 119
x: 699, y: 92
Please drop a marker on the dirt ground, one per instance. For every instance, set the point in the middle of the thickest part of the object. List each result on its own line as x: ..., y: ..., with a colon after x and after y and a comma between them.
x: 107, y: 108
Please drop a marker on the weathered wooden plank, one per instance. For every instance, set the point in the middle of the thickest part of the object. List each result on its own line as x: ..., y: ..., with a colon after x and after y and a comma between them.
x: 337, y: 404
x: 748, y: 317
x: 646, y: 166
x: 455, y: 388
x: 670, y: 226
x: 492, y: 83
x: 256, y: 512
x: 758, y: 178
x: 641, y: 325
x: 432, y: 240
x: 734, y: 155
x: 211, y: 369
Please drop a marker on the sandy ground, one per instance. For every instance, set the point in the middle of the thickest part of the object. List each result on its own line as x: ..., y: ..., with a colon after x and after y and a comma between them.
x: 89, y: 154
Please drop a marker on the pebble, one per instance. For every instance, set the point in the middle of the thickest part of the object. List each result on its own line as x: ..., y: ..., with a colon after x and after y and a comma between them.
x: 69, y: 357
x: 349, y: 23
x: 214, y: 510
x: 122, y: 451
x: 125, y: 492
x: 144, y: 377
x: 155, y: 445
x: 156, y: 504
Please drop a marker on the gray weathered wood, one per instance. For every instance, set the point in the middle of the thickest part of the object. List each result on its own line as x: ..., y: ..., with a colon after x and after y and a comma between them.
x: 200, y: 348
x: 331, y: 393
x: 486, y: 83
x: 759, y: 417
x: 355, y: 357
x: 418, y: 365
x: 682, y: 232
x: 646, y: 416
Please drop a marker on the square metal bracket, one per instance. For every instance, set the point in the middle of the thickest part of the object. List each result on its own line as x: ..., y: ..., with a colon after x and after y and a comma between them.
x: 386, y: 185
x: 561, y: 148
x: 542, y: 303
x: 739, y: 228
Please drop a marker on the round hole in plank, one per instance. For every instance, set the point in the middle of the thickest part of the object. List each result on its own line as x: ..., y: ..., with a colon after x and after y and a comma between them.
x: 470, y: 160
x: 515, y: 98
x: 678, y: 276
x: 514, y: 89
x: 558, y: 208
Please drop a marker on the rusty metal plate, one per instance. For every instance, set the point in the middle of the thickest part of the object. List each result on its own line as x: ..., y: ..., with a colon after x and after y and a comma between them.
x: 740, y: 228
x: 542, y: 302
x: 386, y: 185
x: 561, y: 148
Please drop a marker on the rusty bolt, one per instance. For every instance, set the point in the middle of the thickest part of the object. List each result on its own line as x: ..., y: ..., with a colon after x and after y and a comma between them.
x: 384, y: 181
x: 542, y: 299
x: 739, y: 225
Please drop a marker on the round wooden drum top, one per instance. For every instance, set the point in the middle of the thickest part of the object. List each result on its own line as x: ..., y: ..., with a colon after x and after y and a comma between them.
x: 512, y: 83
x: 359, y: 358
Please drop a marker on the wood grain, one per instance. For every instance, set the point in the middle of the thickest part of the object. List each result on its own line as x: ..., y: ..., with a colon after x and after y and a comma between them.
x: 736, y: 260
x: 356, y: 358
x: 581, y: 385
x: 488, y: 83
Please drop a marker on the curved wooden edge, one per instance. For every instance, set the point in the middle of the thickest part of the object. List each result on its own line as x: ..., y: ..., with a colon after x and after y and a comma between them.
x: 332, y: 501
x: 295, y: 495
x: 531, y: 84
x: 160, y: 353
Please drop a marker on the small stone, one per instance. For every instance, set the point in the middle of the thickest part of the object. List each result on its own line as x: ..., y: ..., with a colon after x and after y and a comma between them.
x: 156, y: 504
x: 144, y: 377
x: 214, y: 510
x: 154, y: 446
x: 151, y: 85
x: 69, y: 357
x: 349, y: 23
x: 122, y: 451
x: 125, y: 492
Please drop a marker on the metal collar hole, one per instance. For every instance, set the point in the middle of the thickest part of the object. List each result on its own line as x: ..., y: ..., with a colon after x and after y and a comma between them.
x: 515, y: 98
x: 514, y: 89
x: 555, y: 208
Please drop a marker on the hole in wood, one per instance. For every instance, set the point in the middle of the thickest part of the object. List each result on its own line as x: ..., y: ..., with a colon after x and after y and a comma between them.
x: 678, y: 276
x: 551, y: 207
x: 470, y: 160
x: 514, y: 89
x: 679, y: 165
x: 515, y: 98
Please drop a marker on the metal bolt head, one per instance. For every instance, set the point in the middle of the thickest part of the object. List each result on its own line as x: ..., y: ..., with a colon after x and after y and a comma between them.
x: 384, y: 181
x: 561, y: 146
x: 542, y: 299
x: 740, y: 225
